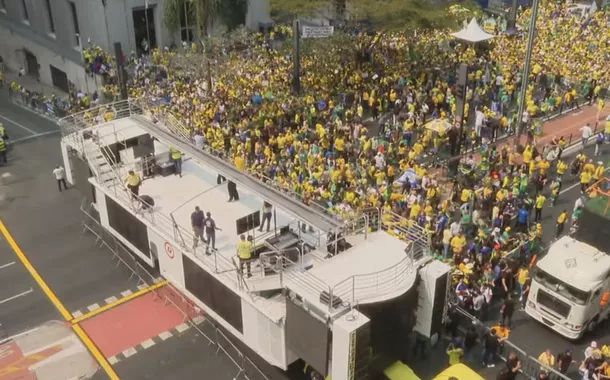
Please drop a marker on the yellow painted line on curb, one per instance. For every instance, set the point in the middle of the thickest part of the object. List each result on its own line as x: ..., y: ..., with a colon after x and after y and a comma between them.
x: 118, y: 302
x: 34, y: 273
x: 95, y: 352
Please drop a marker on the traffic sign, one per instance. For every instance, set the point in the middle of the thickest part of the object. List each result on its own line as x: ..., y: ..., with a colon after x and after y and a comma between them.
x: 169, y: 250
x: 317, y: 31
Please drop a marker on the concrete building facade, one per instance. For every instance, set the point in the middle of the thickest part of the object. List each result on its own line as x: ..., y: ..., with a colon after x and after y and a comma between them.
x: 45, y: 37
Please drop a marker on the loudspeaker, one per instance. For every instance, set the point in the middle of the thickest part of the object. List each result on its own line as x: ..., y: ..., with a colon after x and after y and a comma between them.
x: 325, y: 300
x: 432, y: 290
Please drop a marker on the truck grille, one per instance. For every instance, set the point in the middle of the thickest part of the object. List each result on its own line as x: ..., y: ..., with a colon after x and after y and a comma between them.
x: 552, y: 303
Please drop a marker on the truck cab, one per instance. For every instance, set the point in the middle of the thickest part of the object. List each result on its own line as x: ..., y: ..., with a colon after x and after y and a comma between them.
x: 570, y: 288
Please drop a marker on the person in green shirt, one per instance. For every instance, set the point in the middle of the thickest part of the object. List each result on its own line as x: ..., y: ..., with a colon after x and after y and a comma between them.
x: 455, y: 353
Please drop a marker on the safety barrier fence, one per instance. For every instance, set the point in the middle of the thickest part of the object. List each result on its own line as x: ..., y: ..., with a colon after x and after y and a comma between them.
x: 105, y: 238
x: 50, y: 107
x: 193, y: 316
x: 530, y: 366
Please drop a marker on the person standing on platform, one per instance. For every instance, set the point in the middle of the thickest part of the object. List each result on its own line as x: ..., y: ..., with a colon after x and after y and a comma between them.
x: 197, y: 218
x: 133, y: 184
x: 244, y: 252
x: 267, y: 208
x: 210, y: 231
x: 176, y: 158
x: 233, y: 194
x: 60, y: 176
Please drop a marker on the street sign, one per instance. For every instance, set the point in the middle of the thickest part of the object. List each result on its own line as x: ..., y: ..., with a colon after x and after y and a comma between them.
x: 169, y: 250
x: 317, y: 31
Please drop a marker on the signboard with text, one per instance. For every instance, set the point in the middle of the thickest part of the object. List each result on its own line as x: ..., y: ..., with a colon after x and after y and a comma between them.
x: 317, y: 31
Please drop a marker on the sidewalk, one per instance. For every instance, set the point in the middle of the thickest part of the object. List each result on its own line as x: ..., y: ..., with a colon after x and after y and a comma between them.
x: 30, y: 83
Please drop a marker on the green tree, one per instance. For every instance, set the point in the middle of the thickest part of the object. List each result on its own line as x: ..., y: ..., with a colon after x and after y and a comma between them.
x: 386, y: 15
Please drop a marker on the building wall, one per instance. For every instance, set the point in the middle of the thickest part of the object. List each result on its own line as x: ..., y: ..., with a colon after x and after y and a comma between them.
x: 101, y: 25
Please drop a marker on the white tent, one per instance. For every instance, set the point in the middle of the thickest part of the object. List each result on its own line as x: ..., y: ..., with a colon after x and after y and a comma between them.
x: 473, y: 33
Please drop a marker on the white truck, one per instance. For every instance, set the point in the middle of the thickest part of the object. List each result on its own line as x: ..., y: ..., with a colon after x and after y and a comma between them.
x: 570, y: 288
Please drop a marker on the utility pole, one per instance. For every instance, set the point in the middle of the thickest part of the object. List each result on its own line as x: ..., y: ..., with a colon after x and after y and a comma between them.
x: 120, y: 68
x: 526, y: 68
x: 458, y: 123
x: 512, y: 17
x: 296, y: 58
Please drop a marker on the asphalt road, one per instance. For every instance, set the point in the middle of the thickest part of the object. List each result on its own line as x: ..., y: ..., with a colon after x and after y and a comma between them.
x: 23, y: 125
x: 526, y: 333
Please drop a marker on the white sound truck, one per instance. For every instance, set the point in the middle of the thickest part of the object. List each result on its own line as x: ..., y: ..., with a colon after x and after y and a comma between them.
x: 570, y: 288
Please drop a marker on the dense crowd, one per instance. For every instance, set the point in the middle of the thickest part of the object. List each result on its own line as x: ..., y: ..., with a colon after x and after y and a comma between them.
x: 372, y: 112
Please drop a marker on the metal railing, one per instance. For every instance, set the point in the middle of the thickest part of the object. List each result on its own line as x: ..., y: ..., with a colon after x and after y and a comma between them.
x: 408, y: 231
x: 530, y: 366
x: 193, y: 316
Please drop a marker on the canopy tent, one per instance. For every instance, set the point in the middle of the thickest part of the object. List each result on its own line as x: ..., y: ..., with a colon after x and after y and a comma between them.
x: 472, y: 33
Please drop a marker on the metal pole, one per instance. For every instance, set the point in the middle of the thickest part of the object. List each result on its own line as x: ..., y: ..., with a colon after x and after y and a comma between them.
x: 147, y: 28
x: 526, y: 68
x: 296, y: 57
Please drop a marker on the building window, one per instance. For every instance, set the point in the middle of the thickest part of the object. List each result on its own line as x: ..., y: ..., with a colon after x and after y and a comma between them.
x: 50, y: 17
x: 75, y: 21
x: 24, y: 10
x: 186, y: 21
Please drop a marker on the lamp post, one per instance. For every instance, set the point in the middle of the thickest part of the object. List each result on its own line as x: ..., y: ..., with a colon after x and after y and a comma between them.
x: 526, y: 68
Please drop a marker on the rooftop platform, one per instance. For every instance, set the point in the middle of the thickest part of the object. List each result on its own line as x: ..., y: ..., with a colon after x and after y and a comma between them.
x: 377, y: 267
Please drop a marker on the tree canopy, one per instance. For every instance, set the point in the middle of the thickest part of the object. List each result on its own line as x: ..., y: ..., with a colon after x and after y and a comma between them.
x: 383, y: 14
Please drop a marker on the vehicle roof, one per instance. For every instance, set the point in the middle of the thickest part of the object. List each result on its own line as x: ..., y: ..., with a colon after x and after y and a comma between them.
x: 460, y: 372
x: 575, y: 263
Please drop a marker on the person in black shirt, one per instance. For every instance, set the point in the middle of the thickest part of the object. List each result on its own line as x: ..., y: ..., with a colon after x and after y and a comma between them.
x: 564, y: 360
x: 197, y: 218
x: 513, y: 364
x: 491, y: 346
x: 233, y: 194
x: 508, y: 309
x: 210, y: 231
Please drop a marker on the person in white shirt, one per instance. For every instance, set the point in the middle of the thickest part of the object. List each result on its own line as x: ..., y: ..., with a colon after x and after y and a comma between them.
x: 586, y: 133
x: 60, y: 176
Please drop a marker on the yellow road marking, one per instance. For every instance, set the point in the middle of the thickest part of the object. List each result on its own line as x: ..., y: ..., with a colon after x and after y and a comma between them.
x: 34, y: 273
x: 118, y: 302
x: 95, y: 352
x: 64, y: 312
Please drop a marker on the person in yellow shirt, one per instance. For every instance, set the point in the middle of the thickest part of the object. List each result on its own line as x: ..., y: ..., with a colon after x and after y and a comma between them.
x: 561, y: 168
x: 458, y: 243
x: 415, y: 210
x: 585, y: 178
x: 522, y: 276
x: 539, y: 203
x: 240, y: 163
x: 133, y: 183
x: 244, y: 252
x: 561, y: 222
x: 547, y: 359
x: 598, y: 173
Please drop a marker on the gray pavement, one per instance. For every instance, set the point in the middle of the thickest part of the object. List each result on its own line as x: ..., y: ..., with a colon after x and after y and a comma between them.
x: 47, y: 226
x: 22, y: 124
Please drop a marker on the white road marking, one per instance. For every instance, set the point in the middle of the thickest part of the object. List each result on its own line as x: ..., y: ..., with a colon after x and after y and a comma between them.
x: 17, y: 124
x: 93, y: 307
x: 126, y: 293
x: 7, y: 265
x: 129, y: 352
x: 5, y: 351
x: 17, y: 296
x: 111, y: 299
x: 113, y: 360
x: 147, y: 343
x: 10, y: 338
x: 165, y: 335
x: 34, y: 136
x: 6, y: 175
x: 142, y: 286
x: 77, y: 314
x: 182, y: 327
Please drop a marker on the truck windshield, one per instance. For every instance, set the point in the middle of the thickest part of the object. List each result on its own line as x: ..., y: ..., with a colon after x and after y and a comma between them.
x: 575, y: 295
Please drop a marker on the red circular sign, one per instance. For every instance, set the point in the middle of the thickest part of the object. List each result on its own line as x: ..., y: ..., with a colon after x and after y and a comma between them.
x: 169, y: 250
